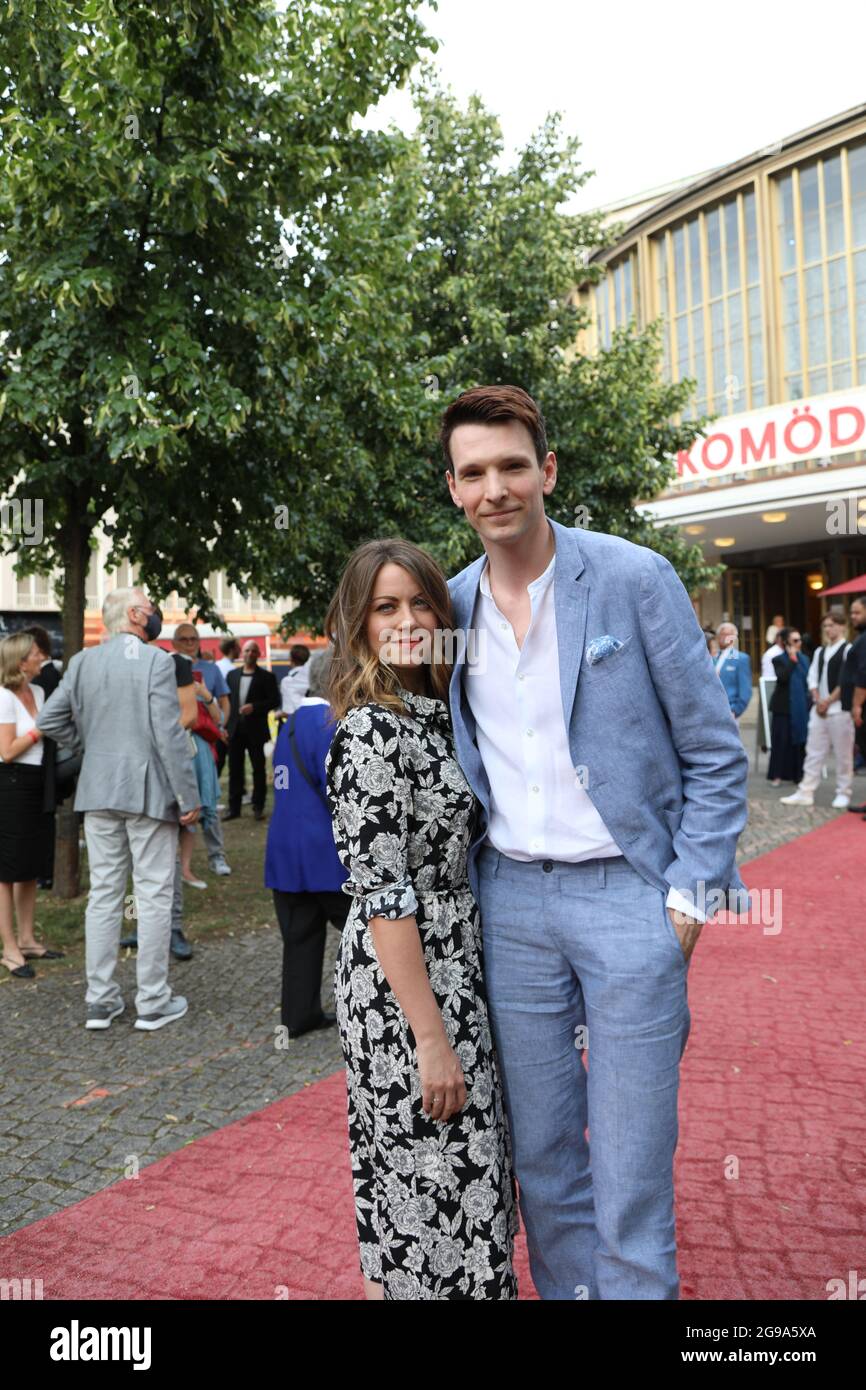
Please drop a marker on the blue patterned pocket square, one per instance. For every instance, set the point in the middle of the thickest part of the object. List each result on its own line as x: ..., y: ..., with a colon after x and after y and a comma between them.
x: 600, y: 647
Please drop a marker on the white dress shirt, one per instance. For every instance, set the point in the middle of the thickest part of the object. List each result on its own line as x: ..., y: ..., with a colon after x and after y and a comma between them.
x: 768, y: 670
x: 538, y: 807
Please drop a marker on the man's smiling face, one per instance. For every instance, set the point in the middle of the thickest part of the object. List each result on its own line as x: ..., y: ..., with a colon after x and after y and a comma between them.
x: 497, y: 479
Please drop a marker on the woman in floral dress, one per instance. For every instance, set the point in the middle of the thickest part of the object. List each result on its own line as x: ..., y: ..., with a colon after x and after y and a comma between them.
x: 431, y: 1160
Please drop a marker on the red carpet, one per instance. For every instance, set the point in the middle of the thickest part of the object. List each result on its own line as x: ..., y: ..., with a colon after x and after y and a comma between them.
x: 771, y: 1171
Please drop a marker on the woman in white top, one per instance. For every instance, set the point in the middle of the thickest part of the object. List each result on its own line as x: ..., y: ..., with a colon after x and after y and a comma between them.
x: 22, y: 788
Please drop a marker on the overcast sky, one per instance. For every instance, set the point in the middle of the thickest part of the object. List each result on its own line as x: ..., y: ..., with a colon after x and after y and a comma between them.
x: 654, y: 91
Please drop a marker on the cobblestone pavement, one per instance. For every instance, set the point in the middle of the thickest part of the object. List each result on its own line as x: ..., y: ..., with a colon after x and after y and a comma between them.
x: 770, y: 824
x: 80, y: 1109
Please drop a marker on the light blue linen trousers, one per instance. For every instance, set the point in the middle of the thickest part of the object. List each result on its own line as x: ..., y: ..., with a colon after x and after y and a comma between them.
x: 584, y: 957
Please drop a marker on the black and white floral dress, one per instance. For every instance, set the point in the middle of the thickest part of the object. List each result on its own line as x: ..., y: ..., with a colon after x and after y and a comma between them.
x: 434, y: 1200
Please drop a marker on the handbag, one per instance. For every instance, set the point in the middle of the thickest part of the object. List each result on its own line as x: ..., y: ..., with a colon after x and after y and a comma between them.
x: 299, y: 764
x: 205, y: 725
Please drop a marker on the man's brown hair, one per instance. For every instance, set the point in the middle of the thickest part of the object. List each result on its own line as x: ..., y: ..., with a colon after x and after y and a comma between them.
x: 40, y: 637
x: 494, y: 405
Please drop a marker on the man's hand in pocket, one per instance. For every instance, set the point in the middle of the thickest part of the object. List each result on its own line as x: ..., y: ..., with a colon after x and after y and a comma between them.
x: 688, y: 929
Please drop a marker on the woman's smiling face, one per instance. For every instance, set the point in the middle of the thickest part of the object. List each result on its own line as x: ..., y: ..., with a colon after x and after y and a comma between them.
x: 399, y: 619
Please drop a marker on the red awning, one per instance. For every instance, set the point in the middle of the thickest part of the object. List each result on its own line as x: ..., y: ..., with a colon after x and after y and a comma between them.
x: 851, y: 586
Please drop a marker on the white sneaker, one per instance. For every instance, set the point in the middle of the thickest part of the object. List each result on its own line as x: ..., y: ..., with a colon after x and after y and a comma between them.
x: 841, y: 803
x: 219, y: 866
x: 174, y: 1009
x: 797, y: 798
x: 100, y: 1015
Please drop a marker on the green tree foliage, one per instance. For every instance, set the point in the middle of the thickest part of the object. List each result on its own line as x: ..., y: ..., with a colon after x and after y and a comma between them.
x: 174, y: 178
x: 484, y: 290
x: 231, y: 318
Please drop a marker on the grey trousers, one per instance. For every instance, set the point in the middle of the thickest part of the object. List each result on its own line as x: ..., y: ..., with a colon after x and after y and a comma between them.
x: 118, y: 842
x: 177, y: 897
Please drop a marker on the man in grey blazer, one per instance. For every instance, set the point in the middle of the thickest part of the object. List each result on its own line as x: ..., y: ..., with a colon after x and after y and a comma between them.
x: 137, y: 782
x: 592, y: 727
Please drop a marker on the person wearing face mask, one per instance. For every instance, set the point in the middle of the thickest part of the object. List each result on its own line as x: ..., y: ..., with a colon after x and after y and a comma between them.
x: 789, y: 707
x: 188, y: 701
x: 119, y: 701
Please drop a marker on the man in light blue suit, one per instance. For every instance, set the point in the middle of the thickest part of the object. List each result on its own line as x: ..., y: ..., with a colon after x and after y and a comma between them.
x: 612, y: 781
x: 733, y: 668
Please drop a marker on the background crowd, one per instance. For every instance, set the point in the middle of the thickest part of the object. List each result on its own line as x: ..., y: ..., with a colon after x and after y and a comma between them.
x: 816, y: 704
x: 137, y: 705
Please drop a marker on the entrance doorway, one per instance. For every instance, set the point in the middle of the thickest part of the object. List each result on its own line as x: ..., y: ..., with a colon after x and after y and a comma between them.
x: 743, y: 602
x: 787, y: 591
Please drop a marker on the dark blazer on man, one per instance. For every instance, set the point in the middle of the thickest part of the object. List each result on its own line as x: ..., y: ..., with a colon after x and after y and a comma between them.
x: 264, y: 695
x: 48, y: 678
x: 853, y: 670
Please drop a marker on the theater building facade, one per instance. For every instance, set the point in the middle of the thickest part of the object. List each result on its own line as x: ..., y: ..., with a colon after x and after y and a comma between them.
x: 757, y: 272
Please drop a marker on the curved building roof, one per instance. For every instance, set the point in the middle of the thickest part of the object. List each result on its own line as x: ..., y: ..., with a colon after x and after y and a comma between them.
x: 658, y: 206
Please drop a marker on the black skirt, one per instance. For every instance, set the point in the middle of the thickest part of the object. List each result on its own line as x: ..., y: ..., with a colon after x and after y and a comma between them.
x: 22, y: 833
x: 786, y: 758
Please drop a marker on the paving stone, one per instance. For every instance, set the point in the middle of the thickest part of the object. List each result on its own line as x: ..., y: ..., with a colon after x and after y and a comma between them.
x: 13, y: 1212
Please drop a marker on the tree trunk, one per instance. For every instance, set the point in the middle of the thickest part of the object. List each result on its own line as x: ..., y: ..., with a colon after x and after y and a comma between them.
x: 76, y: 558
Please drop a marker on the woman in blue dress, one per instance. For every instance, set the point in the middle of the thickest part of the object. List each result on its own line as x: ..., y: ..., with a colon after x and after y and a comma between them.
x: 301, y: 865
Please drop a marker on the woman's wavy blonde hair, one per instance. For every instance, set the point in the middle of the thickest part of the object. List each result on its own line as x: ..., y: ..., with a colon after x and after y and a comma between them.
x: 357, y: 675
x: 14, y: 650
